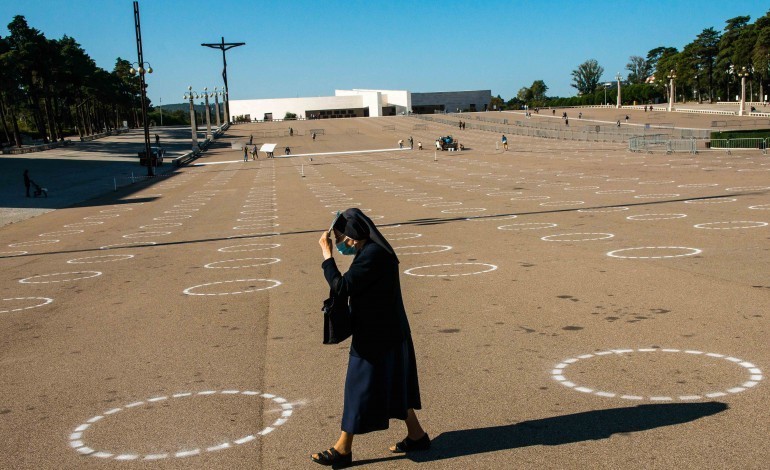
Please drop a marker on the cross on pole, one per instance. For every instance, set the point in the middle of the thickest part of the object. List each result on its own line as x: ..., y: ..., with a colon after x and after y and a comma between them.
x: 224, y: 46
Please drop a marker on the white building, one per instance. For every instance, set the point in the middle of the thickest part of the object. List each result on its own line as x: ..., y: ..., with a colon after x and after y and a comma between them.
x: 359, y: 103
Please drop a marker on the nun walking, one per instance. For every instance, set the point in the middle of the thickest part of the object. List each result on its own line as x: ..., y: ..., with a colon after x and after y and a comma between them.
x: 381, y: 382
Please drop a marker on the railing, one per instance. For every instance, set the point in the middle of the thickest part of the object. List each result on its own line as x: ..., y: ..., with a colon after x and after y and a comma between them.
x: 650, y: 143
x: 35, y: 148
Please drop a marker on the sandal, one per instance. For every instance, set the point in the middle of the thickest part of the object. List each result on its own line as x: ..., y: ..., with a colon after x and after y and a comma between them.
x: 333, y: 458
x: 408, y: 445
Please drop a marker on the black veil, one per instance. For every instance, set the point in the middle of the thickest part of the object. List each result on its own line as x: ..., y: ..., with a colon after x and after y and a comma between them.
x: 356, y: 225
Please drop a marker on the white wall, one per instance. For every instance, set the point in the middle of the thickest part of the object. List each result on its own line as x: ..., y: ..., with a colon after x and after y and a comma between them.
x: 370, y: 98
x: 280, y: 106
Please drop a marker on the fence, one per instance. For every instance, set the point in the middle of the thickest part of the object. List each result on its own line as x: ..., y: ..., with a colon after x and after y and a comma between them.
x: 35, y: 148
x: 653, y: 142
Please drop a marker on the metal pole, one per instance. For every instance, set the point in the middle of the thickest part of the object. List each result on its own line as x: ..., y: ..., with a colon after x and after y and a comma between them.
x: 223, y: 46
x: 208, y: 116
x: 143, y: 88
x: 161, y: 111
x: 193, y: 127
x: 216, y: 107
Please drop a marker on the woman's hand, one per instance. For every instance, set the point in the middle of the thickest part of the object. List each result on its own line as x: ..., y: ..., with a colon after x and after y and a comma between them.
x: 326, y: 245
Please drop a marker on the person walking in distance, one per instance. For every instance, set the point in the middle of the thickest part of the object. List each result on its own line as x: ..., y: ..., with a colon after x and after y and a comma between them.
x: 381, y: 382
x: 245, y: 153
x: 411, y: 143
x: 27, y: 181
x: 504, y: 140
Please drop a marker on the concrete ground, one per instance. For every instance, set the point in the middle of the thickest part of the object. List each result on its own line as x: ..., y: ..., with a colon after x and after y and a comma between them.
x: 573, y: 305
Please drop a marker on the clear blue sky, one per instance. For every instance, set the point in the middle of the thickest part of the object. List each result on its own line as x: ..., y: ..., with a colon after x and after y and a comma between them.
x: 309, y: 48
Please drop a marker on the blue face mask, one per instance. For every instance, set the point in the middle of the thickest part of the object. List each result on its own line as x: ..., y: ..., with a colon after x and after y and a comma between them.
x: 344, y: 249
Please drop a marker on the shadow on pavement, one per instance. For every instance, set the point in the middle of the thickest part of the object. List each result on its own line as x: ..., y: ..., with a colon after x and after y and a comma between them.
x: 558, y: 430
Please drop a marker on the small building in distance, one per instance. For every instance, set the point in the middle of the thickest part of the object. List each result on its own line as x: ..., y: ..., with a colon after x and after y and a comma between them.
x: 360, y: 103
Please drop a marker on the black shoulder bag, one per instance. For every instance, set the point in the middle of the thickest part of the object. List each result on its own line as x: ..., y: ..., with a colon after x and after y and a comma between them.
x: 337, y: 326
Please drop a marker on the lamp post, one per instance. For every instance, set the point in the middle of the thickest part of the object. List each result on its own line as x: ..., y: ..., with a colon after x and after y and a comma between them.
x: 743, y: 73
x: 671, y: 77
x: 191, y: 95
x: 697, y: 89
x: 618, y: 78
x: 216, y: 104
x: 208, y: 113
x: 140, y: 63
x: 161, y: 111
x: 606, y: 85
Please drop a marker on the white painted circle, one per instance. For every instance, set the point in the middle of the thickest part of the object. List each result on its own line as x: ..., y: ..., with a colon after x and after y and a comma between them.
x: 761, y: 207
x: 654, y: 196
x: 60, y: 233
x: 255, y: 226
x: 146, y: 234
x: 173, y: 217
x: 33, y: 243
x: 12, y: 253
x: 698, y: 185
x: 656, y: 216
x: 103, y: 216
x: 462, y: 210
x: 117, y: 209
x: 163, y: 225
x: 733, y: 225
x: 46, y: 301
x: 403, y: 236
x: 530, y: 198
x: 489, y: 268
x: 412, y: 249
x: 577, y: 237
x: 755, y: 375
x: 100, y: 259
x: 126, y: 245
x: 481, y: 218
x: 264, y: 262
x: 687, y: 252
x: 262, y: 246
x: 616, y: 191
x: 609, y: 209
x: 423, y: 199
x: 748, y: 188
x: 75, y: 276
x: 181, y: 210
x: 504, y: 193
x: 84, y: 224
x: 442, y: 204
x: 527, y: 226
x: 561, y: 203
x: 265, y: 217
x: 711, y: 201
x: 189, y: 290
x: 581, y: 188
x: 76, y: 437
x: 657, y: 182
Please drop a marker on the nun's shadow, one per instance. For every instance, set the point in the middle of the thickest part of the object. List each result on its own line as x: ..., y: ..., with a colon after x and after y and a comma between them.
x: 557, y: 430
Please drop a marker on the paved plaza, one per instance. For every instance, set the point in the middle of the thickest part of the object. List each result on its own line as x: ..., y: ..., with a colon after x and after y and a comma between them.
x: 572, y: 304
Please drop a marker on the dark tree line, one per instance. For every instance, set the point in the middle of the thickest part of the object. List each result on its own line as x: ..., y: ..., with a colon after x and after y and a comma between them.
x: 50, y: 88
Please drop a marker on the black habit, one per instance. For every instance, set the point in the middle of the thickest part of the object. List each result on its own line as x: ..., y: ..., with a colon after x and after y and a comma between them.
x: 381, y: 382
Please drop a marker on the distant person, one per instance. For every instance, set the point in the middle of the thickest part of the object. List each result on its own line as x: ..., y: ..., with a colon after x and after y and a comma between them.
x: 618, y: 123
x: 291, y: 132
x: 245, y: 153
x: 251, y: 139
x: 400, y: 143
x: 287, y: 150
x: 27, y: 181
x: 157, y: 140
x: 645, y: 108
x: 438, y: 144
x: 626, y: 117
x: 254, y: 153
x: 504, y: 140
x: 411, y: 142
x: 554, y: 112
x: 580, y: 115
x: 566, y: 122
x: 419, y: 145
x: 313, y: 135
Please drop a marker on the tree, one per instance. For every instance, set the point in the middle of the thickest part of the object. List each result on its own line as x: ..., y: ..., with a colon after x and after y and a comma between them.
x: 524, y: 94
x: 639, y: 69
x: 654, y: 56
x: 761, y: 52
x: 706, y: 49
x: 496, y: 102
x: 538, y: 90
x: 586, y: 77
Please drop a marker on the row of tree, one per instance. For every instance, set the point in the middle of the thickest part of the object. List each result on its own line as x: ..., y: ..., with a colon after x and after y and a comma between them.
x: 51, y: 88
x: 708, y: 68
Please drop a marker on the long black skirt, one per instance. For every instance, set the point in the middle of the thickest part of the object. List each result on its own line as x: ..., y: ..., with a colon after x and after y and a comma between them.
x: 381, y: 384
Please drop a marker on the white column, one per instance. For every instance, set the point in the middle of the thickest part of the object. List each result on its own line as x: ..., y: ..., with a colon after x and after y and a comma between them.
x: 742, y: 107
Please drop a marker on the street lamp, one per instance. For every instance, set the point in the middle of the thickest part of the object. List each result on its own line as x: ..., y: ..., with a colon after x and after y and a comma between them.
x: 742, y: 73
x: 217, y: 94
x: 618, y: 77
x: 606, y: 85
x: 696, y: 95
x: 671, y: 77
x: 191, y: 95
x: 141, y: 71
x: 208, y: 114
